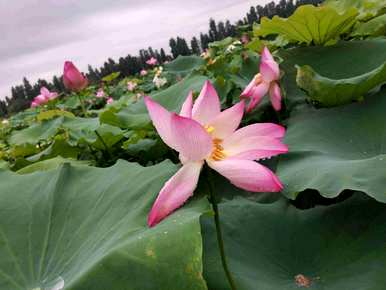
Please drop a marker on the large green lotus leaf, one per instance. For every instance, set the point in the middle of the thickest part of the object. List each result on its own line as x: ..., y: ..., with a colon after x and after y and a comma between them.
x: 367, y: 8
x: 331, y: 150
x: 346, y: 59
x: 277, y: 246
x: 310, y: 24
x: 77, y: 128
x: 85, y: 227
x: 49, y: 164
x: 333, y: 92
x: 36, y: 132
x: 58, y: 147
x: 374, y: 27
x: 184, y: 65
x: 135, y: 116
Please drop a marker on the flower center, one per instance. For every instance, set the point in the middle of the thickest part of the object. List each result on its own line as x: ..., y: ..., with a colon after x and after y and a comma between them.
x: 209, y: 129
x: 218, y: 151
x: 258, y: 79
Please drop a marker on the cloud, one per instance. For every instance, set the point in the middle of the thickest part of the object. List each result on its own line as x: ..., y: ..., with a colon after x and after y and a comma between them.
x: 38, y: 35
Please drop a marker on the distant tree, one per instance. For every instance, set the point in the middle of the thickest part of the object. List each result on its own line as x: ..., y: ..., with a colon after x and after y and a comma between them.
x: 195, y: 46
x: 57, y: 84
x: 213, y: 33
x: 163, y: 55
x: 205, y: 40
x: 173, y: 47
x: 252, y: 16
x: 230, y: 29
x: 28, y: 90
x: 221, y: 30
x: 182, y: 47
x: 3, y: 108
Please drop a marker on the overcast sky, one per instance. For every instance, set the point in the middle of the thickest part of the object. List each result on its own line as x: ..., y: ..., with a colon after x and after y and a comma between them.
x: 37, y: 36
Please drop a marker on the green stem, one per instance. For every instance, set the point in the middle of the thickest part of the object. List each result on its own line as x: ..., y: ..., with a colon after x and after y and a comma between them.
x: 103, y: 142
x: 84, y: 111
x: 219, y: 232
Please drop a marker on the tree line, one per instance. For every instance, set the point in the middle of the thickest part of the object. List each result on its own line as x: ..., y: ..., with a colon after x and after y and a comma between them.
x: 22, y: 95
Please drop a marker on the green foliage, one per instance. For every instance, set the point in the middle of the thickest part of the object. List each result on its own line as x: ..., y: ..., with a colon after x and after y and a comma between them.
x: 135, y: 116
x: 87, y: 227
x: 310, y: 24
x: 336, y: 149
x: 183, y: 65
x: 50, y: 164
x: 367, y: 8
x: 269, y: 246
x: 346, y: 59
x: 111, y: 77
x: 332, y: 92
x: 74, y: 210
x: 374, y: 27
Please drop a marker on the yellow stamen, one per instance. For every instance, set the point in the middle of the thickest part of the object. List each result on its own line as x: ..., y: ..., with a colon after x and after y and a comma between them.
x: 218, y: 151
x: 258, y: 79
x: 209, y: 129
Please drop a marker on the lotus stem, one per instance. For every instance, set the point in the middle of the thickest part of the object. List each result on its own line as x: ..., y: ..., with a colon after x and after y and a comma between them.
x: 219, y: 232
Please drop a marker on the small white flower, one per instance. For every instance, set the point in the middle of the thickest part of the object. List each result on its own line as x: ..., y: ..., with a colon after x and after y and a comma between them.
x: 5, y: 122
x: 230, y: 48
x: 159, y: 82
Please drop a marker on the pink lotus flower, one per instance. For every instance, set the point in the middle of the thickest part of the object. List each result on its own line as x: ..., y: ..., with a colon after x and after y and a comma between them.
x: 202, y: 133
x: 73, y: 79
x: 109, y: 100
x: 100, y: 93
x: 245, y: 38
x: 264, y: 82
x: 34, y: 104
x: 44, y: 97
x: 143, y: 72
x: 131, y: 86
x: 152, y: 61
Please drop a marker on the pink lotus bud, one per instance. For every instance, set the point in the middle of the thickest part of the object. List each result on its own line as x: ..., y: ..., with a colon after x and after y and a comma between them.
x: 34, y: 104
x: 110, y: 100
x: 143, y: 72
x: 72, y: 78
x: 152, y: 61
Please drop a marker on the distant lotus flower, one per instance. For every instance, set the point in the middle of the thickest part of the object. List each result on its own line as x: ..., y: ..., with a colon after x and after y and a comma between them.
x: 5, y: 122
x: 131, y: 86
x: 245, y: 38
x: 47, y: 94
x: 44, y: 97
x: 109, y: 100
x: 264, y: 82
x: 152, y: 61
x: 159, y: 82
x: 73, y: 79
x: 143, y: 72
x: 202, y: 133
x: 100, y: 93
